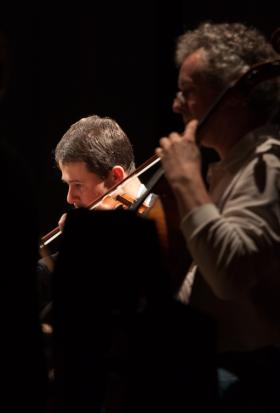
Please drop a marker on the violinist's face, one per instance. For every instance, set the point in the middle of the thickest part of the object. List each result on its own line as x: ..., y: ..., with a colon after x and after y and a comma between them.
x: 84, y: 186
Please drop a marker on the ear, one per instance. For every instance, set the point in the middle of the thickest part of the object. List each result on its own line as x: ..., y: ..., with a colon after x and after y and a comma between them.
x: 118, y: 174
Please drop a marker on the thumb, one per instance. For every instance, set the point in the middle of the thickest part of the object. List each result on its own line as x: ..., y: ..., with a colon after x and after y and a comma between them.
x: 189, y: 133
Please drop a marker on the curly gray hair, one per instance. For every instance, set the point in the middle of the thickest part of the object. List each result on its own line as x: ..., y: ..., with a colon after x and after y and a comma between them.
x: 230, y: 50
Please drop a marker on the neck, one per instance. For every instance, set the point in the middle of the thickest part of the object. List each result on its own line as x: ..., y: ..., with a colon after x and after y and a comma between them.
x: 131, y: 187
x: 230, y: 136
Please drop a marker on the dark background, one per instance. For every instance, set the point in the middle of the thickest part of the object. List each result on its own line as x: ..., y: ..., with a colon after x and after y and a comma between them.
x: 112, y: 59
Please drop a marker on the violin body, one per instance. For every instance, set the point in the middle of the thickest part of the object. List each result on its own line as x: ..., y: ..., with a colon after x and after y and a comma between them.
x: 164, y: 212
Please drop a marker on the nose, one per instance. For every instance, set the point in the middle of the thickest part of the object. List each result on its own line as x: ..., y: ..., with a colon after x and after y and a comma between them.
x: 71, y: 198
x: 178, y: 103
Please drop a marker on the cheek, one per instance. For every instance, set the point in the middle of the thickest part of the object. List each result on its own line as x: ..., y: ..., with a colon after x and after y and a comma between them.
x: 193, y: 107
x: 199, y: 109
x: 196, y: 105
x: 95, y: 191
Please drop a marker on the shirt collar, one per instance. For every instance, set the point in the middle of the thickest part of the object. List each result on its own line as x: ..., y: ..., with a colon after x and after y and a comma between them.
x: 243, y: 149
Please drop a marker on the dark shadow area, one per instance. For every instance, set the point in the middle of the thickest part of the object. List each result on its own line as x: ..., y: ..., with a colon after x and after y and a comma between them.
x: 120, y: 339
x: 23, y: 366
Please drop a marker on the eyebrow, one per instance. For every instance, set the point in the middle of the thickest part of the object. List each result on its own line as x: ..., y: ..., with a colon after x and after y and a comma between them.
x: 72, y: 181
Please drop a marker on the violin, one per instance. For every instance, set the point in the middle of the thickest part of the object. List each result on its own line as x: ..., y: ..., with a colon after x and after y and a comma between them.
x: 109, y: 200
x: 120, y: 201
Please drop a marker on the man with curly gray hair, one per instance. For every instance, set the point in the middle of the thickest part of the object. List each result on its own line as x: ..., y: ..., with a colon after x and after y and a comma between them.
x: 232, y: 224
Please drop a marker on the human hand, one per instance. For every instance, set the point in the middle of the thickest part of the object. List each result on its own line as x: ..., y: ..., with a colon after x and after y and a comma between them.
x: 61, y: 221
x: 180, y: 155
x: 181, y: 161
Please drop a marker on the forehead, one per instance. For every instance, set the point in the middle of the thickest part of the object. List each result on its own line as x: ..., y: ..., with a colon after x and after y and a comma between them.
x: 77, y: 171
x: 192, y: 68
